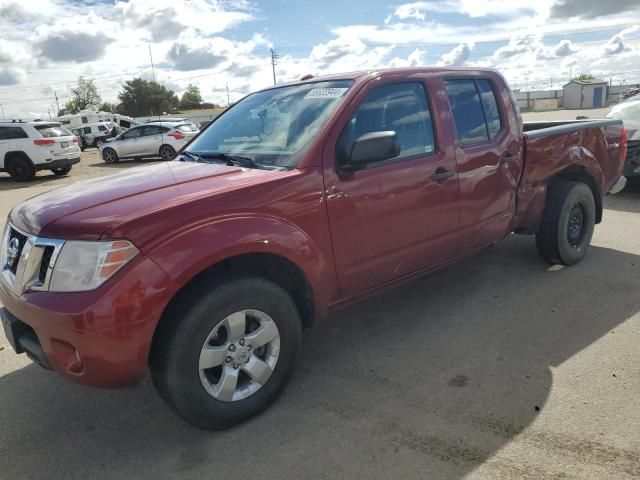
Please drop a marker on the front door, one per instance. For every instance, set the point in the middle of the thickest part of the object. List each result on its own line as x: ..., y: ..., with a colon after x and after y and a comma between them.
x: 395, y: 217
x: 597, y: 97
x: 489, y: 160
x: 128, y: 142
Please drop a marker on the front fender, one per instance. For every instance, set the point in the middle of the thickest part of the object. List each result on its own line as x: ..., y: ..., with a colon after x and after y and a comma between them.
x: 192, y: 251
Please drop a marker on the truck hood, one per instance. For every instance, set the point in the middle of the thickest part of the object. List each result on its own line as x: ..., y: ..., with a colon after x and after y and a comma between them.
x: 85, y: 210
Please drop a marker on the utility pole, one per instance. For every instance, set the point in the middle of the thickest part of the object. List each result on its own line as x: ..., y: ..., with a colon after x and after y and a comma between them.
x: 228, y: 99
x: 57, y: 104
x: 2, y: 110
x: 274, y: 57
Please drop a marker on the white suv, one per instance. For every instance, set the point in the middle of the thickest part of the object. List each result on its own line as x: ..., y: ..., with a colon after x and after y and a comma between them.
x: 26, y: 147
x: 154, y: 139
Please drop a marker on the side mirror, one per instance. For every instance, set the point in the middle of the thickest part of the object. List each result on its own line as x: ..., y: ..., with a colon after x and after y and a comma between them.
x: 372, y: 147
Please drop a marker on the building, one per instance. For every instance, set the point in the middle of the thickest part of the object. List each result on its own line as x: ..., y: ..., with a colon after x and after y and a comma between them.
x: 578, y: 94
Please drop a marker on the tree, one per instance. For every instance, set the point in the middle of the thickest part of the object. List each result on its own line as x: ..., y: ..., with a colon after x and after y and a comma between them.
x: 191, y: 98
x: 84, y: 95
x: 584, y: 76
x: 108, y: 107
x: 140, y: 98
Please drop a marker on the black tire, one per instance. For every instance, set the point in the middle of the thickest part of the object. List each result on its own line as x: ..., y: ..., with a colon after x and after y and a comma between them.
x: 61, y: 171
x: 167, y: 152
x: 109, y: 155
x: 21, y: 169
x: 567, y: 224
x: 179, y: 340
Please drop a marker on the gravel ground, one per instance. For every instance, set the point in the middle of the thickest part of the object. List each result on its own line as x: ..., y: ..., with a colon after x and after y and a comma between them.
x: 499, y: 367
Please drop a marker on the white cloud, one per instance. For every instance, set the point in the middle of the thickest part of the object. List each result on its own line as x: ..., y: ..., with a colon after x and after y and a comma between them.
x: 615, y: 46
x: 458, y: 56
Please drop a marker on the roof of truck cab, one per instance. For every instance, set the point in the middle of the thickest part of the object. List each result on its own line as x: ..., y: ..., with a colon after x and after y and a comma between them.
x: 384, y: 72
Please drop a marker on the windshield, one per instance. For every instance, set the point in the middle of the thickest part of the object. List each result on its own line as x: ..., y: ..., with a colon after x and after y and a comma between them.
x: 273, y: 127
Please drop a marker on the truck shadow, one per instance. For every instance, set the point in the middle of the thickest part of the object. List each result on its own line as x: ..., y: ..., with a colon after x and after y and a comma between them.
x: 429, y: 380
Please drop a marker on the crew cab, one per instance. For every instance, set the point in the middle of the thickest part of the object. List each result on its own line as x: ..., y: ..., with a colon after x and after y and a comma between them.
x: 27, y: 147
x: 294, y: 202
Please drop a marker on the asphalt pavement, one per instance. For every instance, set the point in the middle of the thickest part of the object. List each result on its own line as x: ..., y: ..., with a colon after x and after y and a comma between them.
x: 499, y: 367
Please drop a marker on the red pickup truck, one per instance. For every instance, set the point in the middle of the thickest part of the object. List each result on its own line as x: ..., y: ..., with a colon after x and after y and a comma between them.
x: 295, y: 201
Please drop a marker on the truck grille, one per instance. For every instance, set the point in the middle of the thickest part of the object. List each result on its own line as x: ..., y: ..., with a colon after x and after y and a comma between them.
x: 26, y: 261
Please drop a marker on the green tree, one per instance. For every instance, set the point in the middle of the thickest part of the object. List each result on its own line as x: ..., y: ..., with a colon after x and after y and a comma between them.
x: 108, y: 107
x: 142, y: 97
x: 584, y: 76
x: 191, y: 98
x: 84, y: 95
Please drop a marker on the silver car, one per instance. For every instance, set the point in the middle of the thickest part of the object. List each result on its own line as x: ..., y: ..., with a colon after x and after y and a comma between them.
x: 154, y: 139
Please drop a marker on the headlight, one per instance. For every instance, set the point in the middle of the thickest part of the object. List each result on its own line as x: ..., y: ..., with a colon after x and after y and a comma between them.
x: 83, y: 266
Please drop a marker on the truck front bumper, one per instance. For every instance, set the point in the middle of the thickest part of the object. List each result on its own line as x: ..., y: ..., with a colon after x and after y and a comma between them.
x: 100, y: 338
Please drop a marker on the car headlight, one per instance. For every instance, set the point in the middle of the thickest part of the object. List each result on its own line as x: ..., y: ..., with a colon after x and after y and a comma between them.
x: 83, y: 266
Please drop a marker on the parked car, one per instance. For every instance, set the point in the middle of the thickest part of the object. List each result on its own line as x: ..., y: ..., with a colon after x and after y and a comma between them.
x: 629, y: 113
x: 155, y: 139
x: 27, y: 147
x: 296, y: 201
x: 93, y: 135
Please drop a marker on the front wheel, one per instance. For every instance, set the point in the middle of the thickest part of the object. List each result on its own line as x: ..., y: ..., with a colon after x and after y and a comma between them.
x: 61, y: 171
x: 567, y: 224
x: 109, y: 155
x: 226, y: 353
x: 167, y: 152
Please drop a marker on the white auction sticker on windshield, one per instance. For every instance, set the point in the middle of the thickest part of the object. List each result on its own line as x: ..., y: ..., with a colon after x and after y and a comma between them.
x: 326, y: 92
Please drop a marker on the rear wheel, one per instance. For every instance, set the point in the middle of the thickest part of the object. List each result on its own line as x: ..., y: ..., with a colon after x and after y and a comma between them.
x: 21, y: 169
x: 227, y: 353
x: 61, y: 171
x: 567, y: 224
x: 109, y: 155
x: 167, y: 152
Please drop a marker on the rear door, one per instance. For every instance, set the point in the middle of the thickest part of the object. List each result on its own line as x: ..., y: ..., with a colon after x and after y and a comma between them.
x: 151, y: 139
x: 488, y: 157
x: 398, y: 216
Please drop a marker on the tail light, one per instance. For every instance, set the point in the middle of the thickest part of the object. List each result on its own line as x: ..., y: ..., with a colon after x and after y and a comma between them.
x: 44, y: 142
x: 624, y: 143
x: 177, y: 134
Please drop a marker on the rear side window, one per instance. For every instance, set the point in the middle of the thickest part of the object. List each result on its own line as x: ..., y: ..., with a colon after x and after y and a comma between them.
x: 48, y: 131
x: 401, y: 107
x: 86, y: 129
x: 12, y: 133
x: 102, y: 128
x: 154, y: 130
x: 467, y: 111
x: 490, y: 106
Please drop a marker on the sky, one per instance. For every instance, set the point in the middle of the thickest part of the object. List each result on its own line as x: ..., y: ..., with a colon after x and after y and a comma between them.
x: 45, y: 45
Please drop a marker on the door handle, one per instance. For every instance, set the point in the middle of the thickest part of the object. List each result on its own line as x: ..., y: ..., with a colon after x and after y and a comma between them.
x: 507, y: 159
x: 442, y: 175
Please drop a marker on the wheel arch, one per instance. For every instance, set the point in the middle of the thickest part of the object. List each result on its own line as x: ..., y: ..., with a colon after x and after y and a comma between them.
x: 578, y: 173
x: 276, y: 268
x: 12, y: 155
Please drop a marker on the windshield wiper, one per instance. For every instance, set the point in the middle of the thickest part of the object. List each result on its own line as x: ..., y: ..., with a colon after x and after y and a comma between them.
x: 192, y: 156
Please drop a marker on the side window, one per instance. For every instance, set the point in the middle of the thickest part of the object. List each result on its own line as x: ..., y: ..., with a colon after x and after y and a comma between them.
x: 102, y: 128
x: 467, y: 112
x: 12, y: 133
x: 152, y: 130
x: 125, y: 124
x: 85, y: 120
x: 401, y: 107
x: 133, y: 133
x: 491, y: 111
x: 86, y: 130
